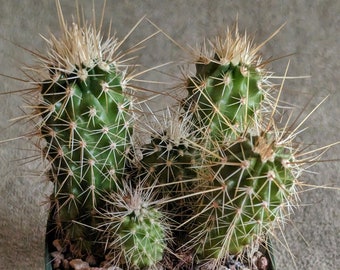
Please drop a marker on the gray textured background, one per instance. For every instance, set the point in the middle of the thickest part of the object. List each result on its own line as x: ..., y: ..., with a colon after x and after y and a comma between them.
x: 311, y: 33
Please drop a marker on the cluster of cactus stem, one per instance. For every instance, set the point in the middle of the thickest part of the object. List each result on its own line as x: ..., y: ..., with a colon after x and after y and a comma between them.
x: 215, y: 178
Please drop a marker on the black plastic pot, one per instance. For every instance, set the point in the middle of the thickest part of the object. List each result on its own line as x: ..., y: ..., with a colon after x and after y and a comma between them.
x: 50, y: 232
x: 48, y: 259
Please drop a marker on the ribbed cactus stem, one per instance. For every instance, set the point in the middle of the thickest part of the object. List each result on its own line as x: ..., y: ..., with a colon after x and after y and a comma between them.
x: 86, y: 125
x: 168, y: 161
x: 136, y: 230
x: 229, y: 90
x: 250, y: 187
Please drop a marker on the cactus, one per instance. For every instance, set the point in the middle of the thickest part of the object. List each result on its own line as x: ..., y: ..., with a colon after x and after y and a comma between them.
x: 136, y: 231
x: 242, y: 181
x: 166, y: 167
x: 217, y: 176
x: 85, y: 122
x: 168, y: 158
x: 224, y: 178
x: 230, y: 178
x: 249, y: 188
x: 230, y: 88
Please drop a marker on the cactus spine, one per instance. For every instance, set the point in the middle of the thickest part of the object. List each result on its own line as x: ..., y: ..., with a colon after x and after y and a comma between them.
x: 168, y: 158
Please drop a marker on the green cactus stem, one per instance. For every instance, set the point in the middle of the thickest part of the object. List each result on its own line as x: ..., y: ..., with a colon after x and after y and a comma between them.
x: 230, y: 89
x: 86, y: 124
x: 250, y: 186
x: 168, y: 160
x: 136, y: 230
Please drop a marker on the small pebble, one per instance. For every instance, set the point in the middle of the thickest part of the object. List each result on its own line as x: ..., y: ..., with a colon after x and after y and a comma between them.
x: 91, y: 260
x: 66, y: 264
x: 57, y: 245
x: 57, y: 258
x: 262, y: 263
x: 79, y: 264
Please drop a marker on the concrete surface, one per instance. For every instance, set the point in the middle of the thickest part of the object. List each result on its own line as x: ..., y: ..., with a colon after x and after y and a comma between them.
x: 311, y: 33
